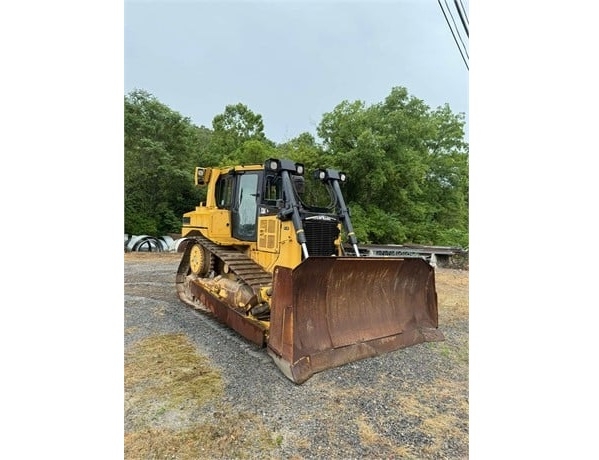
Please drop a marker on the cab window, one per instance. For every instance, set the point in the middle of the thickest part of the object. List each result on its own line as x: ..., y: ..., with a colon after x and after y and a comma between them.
x: 272, y: 190
x: 224, y: 192
x: 245, y: 225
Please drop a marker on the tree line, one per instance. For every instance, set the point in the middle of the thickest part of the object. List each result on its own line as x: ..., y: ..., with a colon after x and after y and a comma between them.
x: 407, y: 164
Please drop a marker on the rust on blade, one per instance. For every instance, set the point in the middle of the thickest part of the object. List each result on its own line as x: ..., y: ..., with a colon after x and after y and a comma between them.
x: 331, y: 311
x: 280, y: 337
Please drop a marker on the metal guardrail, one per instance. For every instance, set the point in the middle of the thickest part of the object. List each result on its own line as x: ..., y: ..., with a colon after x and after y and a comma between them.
x: 399, y: 250
x: 435, y: 255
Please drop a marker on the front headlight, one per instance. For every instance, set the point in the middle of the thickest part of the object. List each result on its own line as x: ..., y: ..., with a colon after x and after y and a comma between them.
x: 320, y: 174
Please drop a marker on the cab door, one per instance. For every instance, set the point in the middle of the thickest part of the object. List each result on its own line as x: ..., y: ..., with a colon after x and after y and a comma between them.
x: 244, y: 209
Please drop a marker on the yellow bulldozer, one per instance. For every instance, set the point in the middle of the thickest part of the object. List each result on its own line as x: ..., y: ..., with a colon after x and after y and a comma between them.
x: 266, y: 254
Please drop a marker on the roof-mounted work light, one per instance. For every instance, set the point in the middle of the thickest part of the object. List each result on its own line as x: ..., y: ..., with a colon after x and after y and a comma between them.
x: 329, y: 174
x: 274, y: 164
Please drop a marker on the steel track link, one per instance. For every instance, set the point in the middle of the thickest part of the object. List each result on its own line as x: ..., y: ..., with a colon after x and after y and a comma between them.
x: 244, y: 267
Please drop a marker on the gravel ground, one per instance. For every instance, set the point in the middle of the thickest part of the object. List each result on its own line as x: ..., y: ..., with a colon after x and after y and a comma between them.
x: 411, y: 403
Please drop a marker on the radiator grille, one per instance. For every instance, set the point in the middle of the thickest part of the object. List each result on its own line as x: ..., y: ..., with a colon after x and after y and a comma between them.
x: 321, y: 236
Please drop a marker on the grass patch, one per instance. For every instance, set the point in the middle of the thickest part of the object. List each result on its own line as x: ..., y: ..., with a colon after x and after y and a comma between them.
x: 168, y: 370
x: 229, y: 435
x: 459, y: 354
x: 444, y: 417
x: 173, y: 408
x: 442, y: 428
x: 370, y: 437
x: 452, y: 292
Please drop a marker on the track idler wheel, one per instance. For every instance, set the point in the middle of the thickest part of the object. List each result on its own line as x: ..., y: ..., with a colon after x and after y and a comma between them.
x: 199, y: 260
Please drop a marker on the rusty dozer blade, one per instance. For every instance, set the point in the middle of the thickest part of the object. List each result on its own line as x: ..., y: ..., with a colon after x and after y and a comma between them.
x: 331, y: 311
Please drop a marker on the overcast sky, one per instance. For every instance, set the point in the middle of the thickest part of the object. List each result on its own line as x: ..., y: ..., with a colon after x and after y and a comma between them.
x: 291, y: 62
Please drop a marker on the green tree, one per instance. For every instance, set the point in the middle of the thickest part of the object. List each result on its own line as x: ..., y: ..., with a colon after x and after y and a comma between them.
x: 407, y: 167
x: 162, y: 149
x: 407, y: 164
x: 250, y: 152
x: 303, y: 149
x: 234, y: 127
x: 447, y: 181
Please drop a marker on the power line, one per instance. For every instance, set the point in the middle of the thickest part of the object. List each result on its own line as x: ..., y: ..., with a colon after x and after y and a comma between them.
x: 464, y: 11
x: 456, y: 29
x: 453, y: 32
x: 462, y: 15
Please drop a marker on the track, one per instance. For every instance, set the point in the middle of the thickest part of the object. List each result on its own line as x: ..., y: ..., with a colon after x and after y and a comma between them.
x: 246, y: 270
x: 241, y: 265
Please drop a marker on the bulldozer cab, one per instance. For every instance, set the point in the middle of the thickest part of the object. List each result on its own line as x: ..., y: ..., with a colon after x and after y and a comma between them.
x: 237, y: 192
x: 249, y: 194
